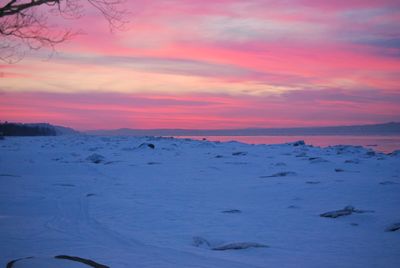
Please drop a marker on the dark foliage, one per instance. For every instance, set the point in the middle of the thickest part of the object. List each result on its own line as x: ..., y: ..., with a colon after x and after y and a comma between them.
x: 13, y: 129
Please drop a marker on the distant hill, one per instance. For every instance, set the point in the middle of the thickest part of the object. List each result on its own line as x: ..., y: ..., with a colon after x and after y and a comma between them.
x: 392, y: 128
x: 36, y: 129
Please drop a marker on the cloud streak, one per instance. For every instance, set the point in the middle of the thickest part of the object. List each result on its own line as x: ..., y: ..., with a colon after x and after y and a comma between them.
x: 116, y: 110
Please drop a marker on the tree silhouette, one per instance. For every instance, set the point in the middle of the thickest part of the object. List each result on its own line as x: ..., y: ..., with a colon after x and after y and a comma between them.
x: 24, y: 24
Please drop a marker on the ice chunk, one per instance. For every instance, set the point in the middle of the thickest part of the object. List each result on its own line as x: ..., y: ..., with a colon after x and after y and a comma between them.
x: 239, y: 245
x: 393, y: 227
x: 95, y: 158
x: 281, y: 174
x: 338, y: 213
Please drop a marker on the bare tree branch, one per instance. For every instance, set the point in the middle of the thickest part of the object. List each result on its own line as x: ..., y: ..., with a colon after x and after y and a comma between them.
x: 24, y: 24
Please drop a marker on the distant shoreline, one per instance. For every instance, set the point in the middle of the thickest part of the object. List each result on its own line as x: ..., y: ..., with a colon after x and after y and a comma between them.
x: 387, y: 129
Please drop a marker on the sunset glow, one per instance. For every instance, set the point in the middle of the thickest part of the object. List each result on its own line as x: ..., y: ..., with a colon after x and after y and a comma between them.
x: 216, y: 64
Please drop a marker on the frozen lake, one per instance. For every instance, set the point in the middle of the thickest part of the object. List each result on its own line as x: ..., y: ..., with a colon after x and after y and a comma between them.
x: 153, y: 202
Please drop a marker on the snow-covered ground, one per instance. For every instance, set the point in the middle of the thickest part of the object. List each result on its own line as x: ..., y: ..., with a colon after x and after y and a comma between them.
x: 122, y: 203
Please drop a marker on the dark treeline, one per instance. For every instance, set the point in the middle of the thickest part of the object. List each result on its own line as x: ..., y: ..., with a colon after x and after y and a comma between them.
x: 14, y: 129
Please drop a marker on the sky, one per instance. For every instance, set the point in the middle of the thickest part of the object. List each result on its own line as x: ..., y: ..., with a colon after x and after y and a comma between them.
x: 215, y: 65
